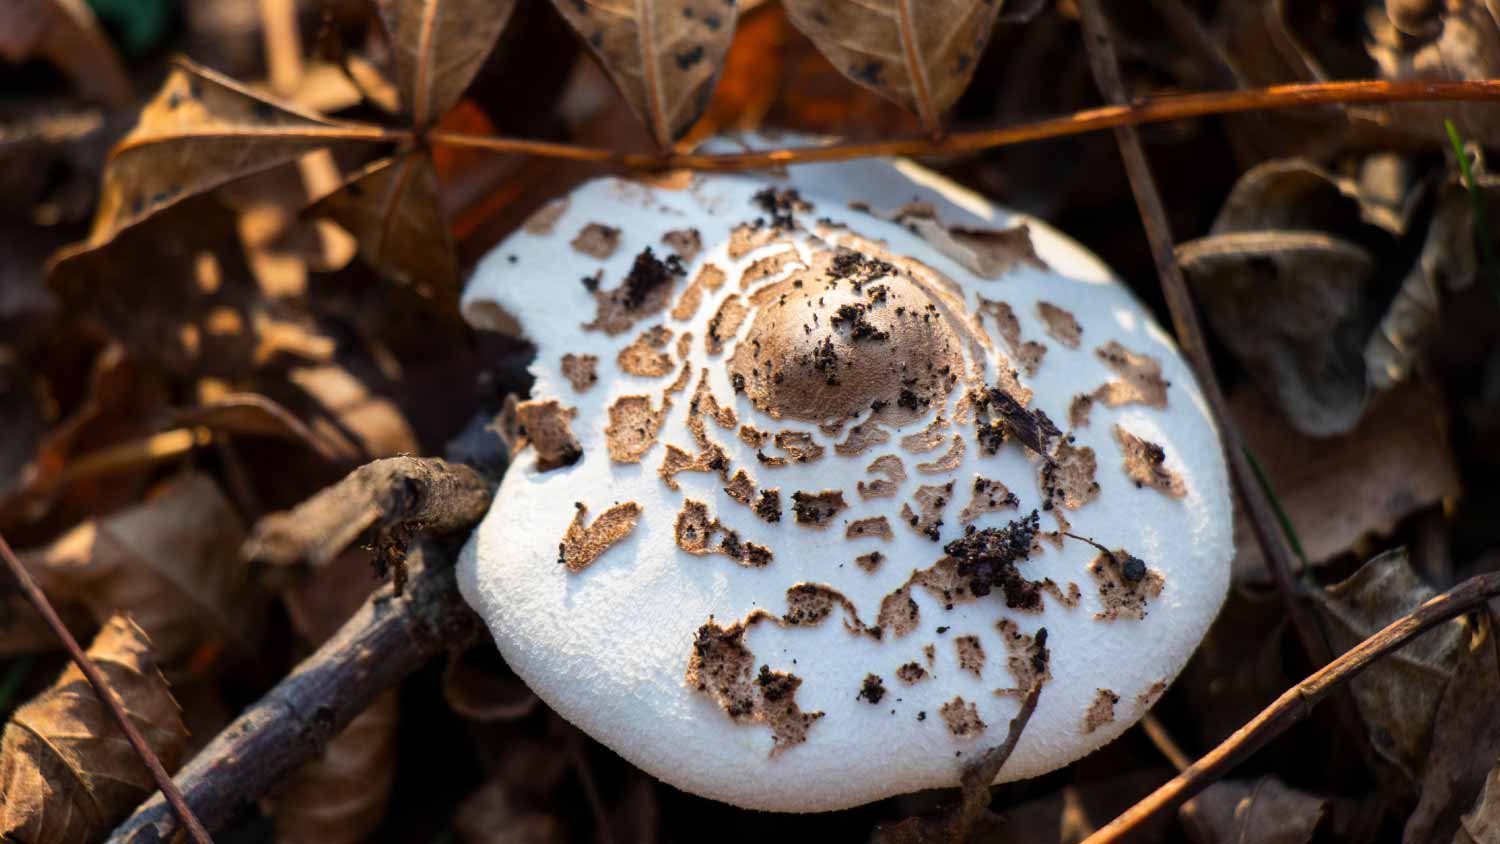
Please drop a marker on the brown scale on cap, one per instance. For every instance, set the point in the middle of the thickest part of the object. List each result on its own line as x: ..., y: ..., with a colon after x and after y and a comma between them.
x: 831, y: 346
x: 862, y: 437
x: 583, y: 544
x: 723, y: 667
x: 1027, y: 658
x: 929, y: 653
x: 962, y: 718
x: 1140, y: 378
x: 911, y: 673
x: 970, y: 654
x: 645, y: 291
x: 1028, y: 352
x: 870, y: 563
x: 753, y: 436
x: 696, y: 534
x: 1078, y: 410
x: 683, y: 374
x: 1125, y: 584
x: 989, y: 496
x: 872, y: 690
x: 1067, y: 478
x: 799, y: 446
x: 633, y: 426
x: 725, y: 324
x: 899, y: 612
x: 1069, y: 598
x: 931, y: 500
x: 741, y: 488
x: 876, y: 526
x: 645, y: 356
x: 763, y: 268
x: 708, y: 279
x: 687, y: 243
x: 1148, y: 698
x: 810, y: 604
x: 1145, y: 463
x: 677, y: 461
x: 705, y: 405
x: 768, y: 506
x: 748, y: 237
x: 1101, y: 711
x: 1060, y: 324
x: 546, y: 425
x: 596, y: 240
x: 582, y: 371
x: 544, y: 219
x: 949, y: 460
x: 817, y: 509
x: 926, y: 439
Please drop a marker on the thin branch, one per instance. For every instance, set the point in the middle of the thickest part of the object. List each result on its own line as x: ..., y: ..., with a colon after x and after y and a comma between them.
x: 1123, y: 114
x: 1162, y: 739
x: 1298, y: 702
x: 101, y: 688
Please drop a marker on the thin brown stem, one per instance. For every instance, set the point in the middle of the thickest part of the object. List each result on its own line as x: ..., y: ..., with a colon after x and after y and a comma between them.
x: 1121, y: 114
x: 1162, y: 739
x: 90, y: 671
x: 1297, y: 702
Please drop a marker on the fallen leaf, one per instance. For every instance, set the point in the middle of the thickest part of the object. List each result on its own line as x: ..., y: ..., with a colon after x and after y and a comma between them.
x: 361, y: 422
x: 66, y: 772
x: 342, y: 794
x: 918, y: 53
x: 393, y: 208
x: 438, y: 46
x: 663, y: 55
x: 248, y: 414
x: 1482, y: 825
x: 67, y: 34
x: 1398, y: 696
x: 1464, y: 44
x: 479, y: 690
x: 1261, y: 812
x: 171, y: 562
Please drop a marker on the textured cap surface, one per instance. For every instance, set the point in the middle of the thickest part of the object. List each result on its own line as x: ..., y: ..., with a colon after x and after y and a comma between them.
x: 799, y: 488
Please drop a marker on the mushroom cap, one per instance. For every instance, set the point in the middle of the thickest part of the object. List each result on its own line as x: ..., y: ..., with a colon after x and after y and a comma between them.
x: 776, y: 665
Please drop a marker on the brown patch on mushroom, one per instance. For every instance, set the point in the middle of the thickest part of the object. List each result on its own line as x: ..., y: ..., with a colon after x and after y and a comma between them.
x: 546, y: 426
x: 1000, y: 416
x: 746, y: 238
x: 645, y: 291
x: 768, y: 506
x: 644, y: 355
x: 1148, y: 698
x: 1145, y: 463
x: 583, y: 544
x: 1125, y: 585
x: 687, y: 243
x: 799, y: 446
x: 970, y: 654
x: 911, y: 673
x: 582, y: 371
x: 962, y: 719
x: 869, y: 562
x: 930, y: 654
x: 597, y: 240
x: 633, y: 426
x: 861, y: 438
x: 1140, y: 378
x: 741, y: 488
x: 985, y: 561
x: 899, y: 612
x: 817, y: 508
x: 1059, y: 536
x: 1060, y: 324
x: 1028, y: 352
x: 677, y: 461
x: 753, y: 436
x: 1101, y: 711
x: 833, y: 427
x: 1078, y: 410
x: 931, y: 500
x: 872, y: 690
x: 725, y: 323
x: 544, y: 219
x: 895, y: 473
x: 1067, y: 477
x: 696, y: 532
x: 684, y: 345
x: 704, y: 404
x: 708, y: 279
x: 949, y: 461
x: 763, y: 268
x: 683, y: 375
x: 877, y: 526
x: 722, y: 667
x: 926, y: 439
x: 988, y: 497
x: 1028, y: 659
x: 1068, y: 599
x: 810, y: 604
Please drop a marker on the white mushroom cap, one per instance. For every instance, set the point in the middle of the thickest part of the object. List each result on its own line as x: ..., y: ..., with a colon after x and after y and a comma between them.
x: 659, y: 619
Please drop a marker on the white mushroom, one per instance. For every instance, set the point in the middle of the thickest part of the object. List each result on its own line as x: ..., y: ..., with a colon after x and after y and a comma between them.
x: 792, y: 541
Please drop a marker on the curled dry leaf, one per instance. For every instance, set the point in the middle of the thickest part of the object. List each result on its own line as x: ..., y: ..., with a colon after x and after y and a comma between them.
x: 1482, y: 825
x: 664, y: 55
x: 343, y: 793
x: 67, y: 34
x: 66, y: 772
x: 918, y: 53
x: 438, y: 46
x: 1261, y: 812
x: 249, y: 414
x: 170, y: 562
x: 1398, y: 696
x: 1462, y: 42
x: 482, y: 692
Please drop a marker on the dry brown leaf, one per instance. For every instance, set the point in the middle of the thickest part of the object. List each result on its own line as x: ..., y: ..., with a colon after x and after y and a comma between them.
x: 1398, y: 696
x: 249, y: 414
x: 362, y: 423
x: 918, y: 53
x: 1261, y: 812
x: 438, y: 46
x: 1464, y: 44
x: 67, y: 774
x: 1482, y: 825
x: 171, y: 562
x: 1338, y: 490
x: 482, y: 692
x: 202, y: 131
x: 394, y: 210
x: 67, y: 34
x: 664, y: 55
x: 341, y: 795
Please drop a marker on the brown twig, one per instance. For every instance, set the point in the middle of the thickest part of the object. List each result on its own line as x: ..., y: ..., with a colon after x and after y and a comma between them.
x: 1122, y: 114
x: 387, y: 639
x: 44, y: 608
x: 1297, y: 703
